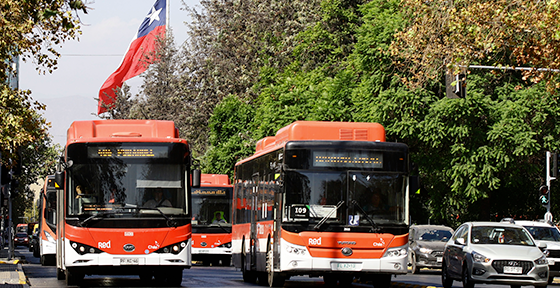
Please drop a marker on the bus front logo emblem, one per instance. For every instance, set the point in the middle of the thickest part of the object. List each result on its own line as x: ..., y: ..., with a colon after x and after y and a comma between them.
x: 128, y: 247
x: 315, y: 241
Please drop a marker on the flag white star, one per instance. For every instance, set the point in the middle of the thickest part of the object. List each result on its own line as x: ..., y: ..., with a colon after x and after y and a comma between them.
x: 153, y: 15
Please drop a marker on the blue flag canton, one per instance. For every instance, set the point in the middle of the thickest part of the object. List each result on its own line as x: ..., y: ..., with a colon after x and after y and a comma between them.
x: 156, y: 17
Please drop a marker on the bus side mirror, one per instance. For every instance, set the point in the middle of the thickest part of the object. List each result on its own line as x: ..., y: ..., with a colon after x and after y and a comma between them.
x: 59, y: 180
x: 196, y: 178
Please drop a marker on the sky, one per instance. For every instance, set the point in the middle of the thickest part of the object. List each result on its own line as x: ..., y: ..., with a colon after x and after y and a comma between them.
x: 107, y: 31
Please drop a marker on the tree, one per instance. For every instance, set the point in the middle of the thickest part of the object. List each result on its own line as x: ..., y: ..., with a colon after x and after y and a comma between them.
x: 447, y: 36
x: 32, y: 30
x: 122, y: 107
x: 230, y: 44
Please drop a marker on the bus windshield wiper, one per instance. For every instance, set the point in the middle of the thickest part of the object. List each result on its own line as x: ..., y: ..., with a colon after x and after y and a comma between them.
x: 318, y: 226
x: 221, y: 226
x: 374, y: 227
x: 102, y: 214
x: 170, y: 222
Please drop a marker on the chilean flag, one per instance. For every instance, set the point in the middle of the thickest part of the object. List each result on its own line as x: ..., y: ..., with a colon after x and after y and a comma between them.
x: 134, y: 61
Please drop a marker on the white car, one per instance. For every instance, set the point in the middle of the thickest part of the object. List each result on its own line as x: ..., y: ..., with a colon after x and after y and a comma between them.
x: 493, y: 253
x: 548, y: 234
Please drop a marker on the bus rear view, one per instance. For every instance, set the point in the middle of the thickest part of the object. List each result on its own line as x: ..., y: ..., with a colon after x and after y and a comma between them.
x: 126, y: 201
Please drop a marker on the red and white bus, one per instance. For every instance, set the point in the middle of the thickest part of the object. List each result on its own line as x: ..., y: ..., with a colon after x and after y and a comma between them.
x: 46, y: 237
x: 125, y: 207
x: 322, y: 199
x: 211, y: 223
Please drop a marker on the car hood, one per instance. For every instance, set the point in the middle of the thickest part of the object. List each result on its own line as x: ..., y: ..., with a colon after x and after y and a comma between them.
x: 434, y: 245
x: 507, y: 252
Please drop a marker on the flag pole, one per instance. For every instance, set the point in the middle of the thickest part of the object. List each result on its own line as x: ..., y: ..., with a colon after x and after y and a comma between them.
x: 167, y: 18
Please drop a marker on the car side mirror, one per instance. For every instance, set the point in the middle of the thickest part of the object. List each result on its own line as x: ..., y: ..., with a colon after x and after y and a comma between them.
x: 460, y: 241
x: 541, y: 245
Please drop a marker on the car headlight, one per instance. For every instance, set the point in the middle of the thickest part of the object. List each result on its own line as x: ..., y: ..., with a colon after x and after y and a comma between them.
x: 541, y: 261
x: 425, y: 250
x: 477, y: 257
x: 396, y: 252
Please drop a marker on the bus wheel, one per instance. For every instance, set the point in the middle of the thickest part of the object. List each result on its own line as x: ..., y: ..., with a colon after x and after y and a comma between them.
x: 274, y: 279
x: 175, y: 277
x: 248, y: 276
x: 73, y: 278
x: 60, y: 274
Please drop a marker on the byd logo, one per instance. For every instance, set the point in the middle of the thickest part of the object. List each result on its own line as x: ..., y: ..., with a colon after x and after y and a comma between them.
x: 315, y: 241
x: 104, y: 245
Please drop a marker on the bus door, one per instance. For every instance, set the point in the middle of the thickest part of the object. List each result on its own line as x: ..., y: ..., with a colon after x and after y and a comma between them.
x: 254, y: 214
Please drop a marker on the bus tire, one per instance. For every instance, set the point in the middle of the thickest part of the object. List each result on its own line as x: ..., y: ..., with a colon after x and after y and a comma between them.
x: 73, y: 278
x: 175, y: 277
x: 248, y: 276
x: 60, y: 274
x: 274, y: 279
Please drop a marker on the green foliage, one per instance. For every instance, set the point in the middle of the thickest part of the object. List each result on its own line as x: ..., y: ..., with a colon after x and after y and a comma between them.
x: 230, y: 139
x: 479, y: 158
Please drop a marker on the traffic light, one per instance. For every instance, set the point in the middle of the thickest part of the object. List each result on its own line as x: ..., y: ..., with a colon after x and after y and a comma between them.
x: 544, y: 199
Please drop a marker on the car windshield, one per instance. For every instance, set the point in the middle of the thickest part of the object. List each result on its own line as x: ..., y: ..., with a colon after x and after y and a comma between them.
x: 544, y: 233
x: 21, y: 235
x: 501, y: 235
x: 434, y: 235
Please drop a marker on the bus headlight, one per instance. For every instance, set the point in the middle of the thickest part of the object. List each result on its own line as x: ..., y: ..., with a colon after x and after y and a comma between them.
x: 83, y: 248
x: 296, y: 249
x: 396, y: 252
x: 173, y: 248
x: 225, y: 245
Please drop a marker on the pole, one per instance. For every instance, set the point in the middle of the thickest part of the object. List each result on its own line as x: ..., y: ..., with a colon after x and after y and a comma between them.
x: 10, y: 225
x: 167, y: 9
x: 548, y: 215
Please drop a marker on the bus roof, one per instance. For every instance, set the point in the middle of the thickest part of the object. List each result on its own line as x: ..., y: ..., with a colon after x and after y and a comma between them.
x: 320, y: 130
x: 123, y: 130
x: 214, y: 180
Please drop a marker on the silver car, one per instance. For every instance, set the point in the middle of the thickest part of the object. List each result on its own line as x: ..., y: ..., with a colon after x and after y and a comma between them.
x: 493, y: 253
x: 425, y: 245
x: 548, y: 234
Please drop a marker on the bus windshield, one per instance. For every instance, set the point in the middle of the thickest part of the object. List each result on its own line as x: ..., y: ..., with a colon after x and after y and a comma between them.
x: 211, y: 206
x: 138, y: 178
x: 315, y: 195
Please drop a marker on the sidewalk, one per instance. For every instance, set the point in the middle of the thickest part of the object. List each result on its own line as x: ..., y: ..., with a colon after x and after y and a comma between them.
x: 11, y: 272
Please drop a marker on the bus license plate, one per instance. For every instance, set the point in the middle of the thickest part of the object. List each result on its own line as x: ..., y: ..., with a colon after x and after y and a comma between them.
x: 513, y: 270
x: 346, y: 266
x: 129, y: 261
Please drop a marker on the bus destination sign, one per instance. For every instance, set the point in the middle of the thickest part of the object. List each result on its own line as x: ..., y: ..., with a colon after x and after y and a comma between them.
x: 209, y: 192
x: 128, y: 152
x: 348, y: 159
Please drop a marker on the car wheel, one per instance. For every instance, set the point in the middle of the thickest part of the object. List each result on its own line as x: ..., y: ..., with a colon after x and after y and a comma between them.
x: 467, y: 281
x: 415, y: 268
x: 445, y: 280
